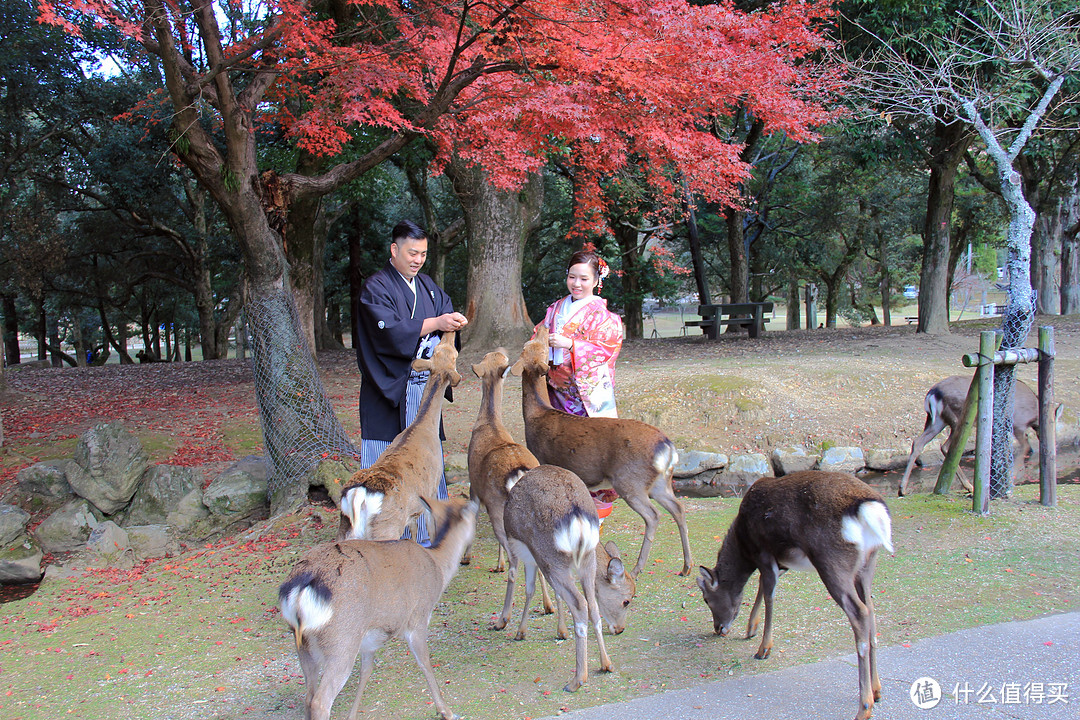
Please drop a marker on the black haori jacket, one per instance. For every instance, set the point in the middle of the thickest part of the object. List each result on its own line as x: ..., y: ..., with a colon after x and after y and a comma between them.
x: 387, y: 339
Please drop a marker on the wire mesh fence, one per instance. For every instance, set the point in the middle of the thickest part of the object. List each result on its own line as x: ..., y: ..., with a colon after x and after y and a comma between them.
x: 1015, y: 326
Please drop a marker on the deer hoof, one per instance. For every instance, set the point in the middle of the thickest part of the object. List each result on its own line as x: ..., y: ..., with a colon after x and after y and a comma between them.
x: 498, y: 624
x: 520, y: 635
x: 762, y: 653
x: 685, y: 572
x: 572, y: 686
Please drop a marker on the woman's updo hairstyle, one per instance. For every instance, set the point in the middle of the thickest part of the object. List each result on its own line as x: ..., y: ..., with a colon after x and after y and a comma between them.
x: 594, y: 261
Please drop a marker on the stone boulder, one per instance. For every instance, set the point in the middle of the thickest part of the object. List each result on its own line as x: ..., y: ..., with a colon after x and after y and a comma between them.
x: 20, y: 561
x: 152, y: 541
x: 108, y: 546
x: 894, y: 458
x: 46, y: 481
x: 189, y: 511
x: 334, y: 476
x: 240, y: 490
x: 741, y: 472
x: 789, y: 459
x: 695, y: 462
x: 159, y: 493
x: 12, y: 523
x: 69, y: 527
x: 842, y: 459
x: 112, y: 461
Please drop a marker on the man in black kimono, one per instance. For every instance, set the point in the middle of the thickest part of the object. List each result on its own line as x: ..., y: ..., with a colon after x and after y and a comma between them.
x: 400, y: 314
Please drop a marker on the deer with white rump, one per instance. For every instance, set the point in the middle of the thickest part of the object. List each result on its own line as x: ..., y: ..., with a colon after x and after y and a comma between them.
x: 830, y: 522
x: 348, y: 597
x: 380, y: 500
x: 551, y: 525
x: 634, y: 458
x: 944, y: 404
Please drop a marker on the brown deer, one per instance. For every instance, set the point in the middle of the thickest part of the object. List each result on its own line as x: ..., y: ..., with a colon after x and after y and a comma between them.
x: 944, y: 404
x: 830, y: 522
x: 495, y: 460
x: 552, y: 525
x: 348, y: 597
x: 634, y: 458
x: 380, y: 500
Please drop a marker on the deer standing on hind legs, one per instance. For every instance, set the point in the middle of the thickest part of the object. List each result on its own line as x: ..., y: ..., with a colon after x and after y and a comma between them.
x: 552, y: 525
x: 380, y: 500
x: 348, y: 597
x: 830, y: 522
x: 945, y: 406
x: 634, y: 458
x: 495, y: 460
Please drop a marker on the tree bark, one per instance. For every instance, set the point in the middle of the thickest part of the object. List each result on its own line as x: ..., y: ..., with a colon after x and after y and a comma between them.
x: 794, y: 308
x: 947, y: 151
x: 11, y: 331
x: 626, y: 236
x: 694, y: 240
x: 497, y: 223
x: 1070, y: 249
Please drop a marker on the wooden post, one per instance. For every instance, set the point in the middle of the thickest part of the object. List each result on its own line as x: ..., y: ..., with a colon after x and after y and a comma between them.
x: 1047, y: 420
x: 980, y: 502
x: 957, y: 444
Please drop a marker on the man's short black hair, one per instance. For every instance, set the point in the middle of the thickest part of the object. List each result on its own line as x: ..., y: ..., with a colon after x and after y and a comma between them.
x: 407, y: 230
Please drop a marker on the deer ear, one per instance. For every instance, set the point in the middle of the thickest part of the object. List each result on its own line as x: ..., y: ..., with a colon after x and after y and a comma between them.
x: 455, y: 378
x: 615, y: 569
x: 706, y: 580
x: 476, y: 371
x: 516, y: 368
x: 612, y: 549
x: 421, y: 365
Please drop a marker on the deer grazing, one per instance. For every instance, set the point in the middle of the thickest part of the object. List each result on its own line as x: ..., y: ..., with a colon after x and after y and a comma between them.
x: 552, y: 525
x: 813, y: 520
x: 380, y: 500
x: 944, y: 406
x: 495, y: 460
x: 348, y: 597
x: 634, y: 458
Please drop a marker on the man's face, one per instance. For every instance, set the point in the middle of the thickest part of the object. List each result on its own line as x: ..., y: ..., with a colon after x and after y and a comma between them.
x: 408, y: 255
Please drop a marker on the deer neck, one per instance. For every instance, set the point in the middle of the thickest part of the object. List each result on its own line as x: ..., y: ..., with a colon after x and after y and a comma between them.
x: 736, y: 560
x: 490, y: 403
x: 430, y: 410
x: 447, y: 553
x: 534, y: 397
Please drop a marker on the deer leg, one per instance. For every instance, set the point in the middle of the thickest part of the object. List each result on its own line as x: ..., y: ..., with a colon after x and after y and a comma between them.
x: 311, y: 672
x: 336, y: 670
x: 511, y: 577
x: 588, y: 582
x: 530, y: 590
x: 496, y: 516
x: 640, y: 503
x: 767, y: 589
x: 367, y: 664
x: 862, y: 585
x: 417, y: 642
x: 755, y: 615
x: 560, y: 631
x: 662, y: 493
x: 564, y: 588
x: 931, y: 429
x: 545, y: 597
x: 845, y: 594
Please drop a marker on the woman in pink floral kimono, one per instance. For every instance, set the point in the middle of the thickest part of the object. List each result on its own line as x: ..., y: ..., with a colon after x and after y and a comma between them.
x: 585, y: 339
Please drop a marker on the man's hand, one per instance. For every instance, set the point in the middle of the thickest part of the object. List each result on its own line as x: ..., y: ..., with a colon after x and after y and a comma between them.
x: 451, y: 322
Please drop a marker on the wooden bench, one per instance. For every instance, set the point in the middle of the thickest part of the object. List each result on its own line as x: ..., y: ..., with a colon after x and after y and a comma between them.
x: 750, y: 315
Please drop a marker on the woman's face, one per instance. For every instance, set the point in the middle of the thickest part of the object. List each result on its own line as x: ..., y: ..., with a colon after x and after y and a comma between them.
x: 580, y: 281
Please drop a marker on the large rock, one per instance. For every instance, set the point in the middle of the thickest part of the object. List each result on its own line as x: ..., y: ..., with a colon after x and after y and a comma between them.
x: 741, y: 472
x: 20, y: 561
x: 12, y: 523
x: 240, y: 490
x: 108, y: 546
x: 188, y: 512
x: 695, y: 462
x: 153, y: 541
x: 69, y: 527
x: 159, y: 493
x: 887, y: 458
x: 46, y: 480
x: 112, y: 460
x: 789, y: 459
x: 842, y: 459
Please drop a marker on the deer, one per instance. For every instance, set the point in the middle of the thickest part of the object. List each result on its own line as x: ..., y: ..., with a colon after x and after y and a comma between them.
x: 496, y: 461
x: 347, y: 597
x: 552, y: 526
x: 945, y: 406
x: 380, y: 500
x: 630, y: 456
x: 812, y: 520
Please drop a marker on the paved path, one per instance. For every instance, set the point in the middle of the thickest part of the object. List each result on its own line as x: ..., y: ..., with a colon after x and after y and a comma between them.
x: 1001, y: 664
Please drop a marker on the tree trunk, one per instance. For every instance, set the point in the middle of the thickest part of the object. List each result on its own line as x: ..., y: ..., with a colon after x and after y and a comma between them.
x: 498, y: 223
x: 356, y: 278
x: 950, y: 143
x: 302, y: 243
x: 739, y: 277
x: 627, y: 239
x: 54, y: 341
x: 1045, y: 253
x: 885, y: 288
x: 42, y: 329
x: 793, y: 312
x: 1070, y: 249
x: 11, y: 331
x: 694, y: 240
